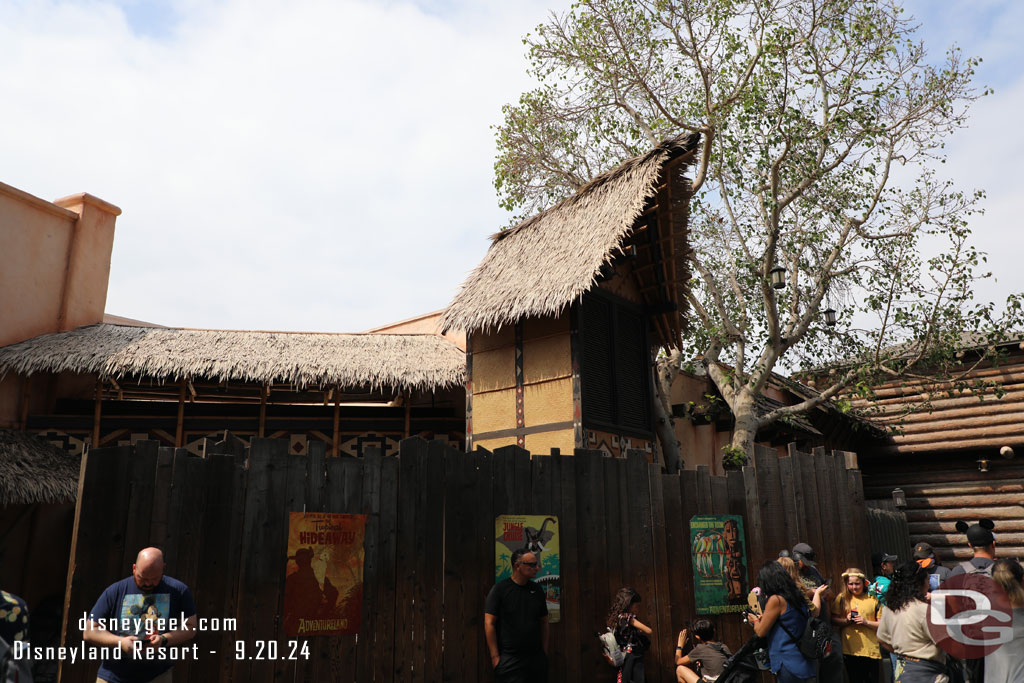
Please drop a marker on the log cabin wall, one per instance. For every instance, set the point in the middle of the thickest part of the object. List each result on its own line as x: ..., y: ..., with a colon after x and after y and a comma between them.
x: 521, y: 391
x: 936, y: 457
x: 943, y: 489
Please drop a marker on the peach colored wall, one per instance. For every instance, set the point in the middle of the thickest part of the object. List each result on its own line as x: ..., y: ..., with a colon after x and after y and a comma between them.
x: 428, y: 323
x: 56, y: 262
x: 34, y: 239
x: 56, y: 265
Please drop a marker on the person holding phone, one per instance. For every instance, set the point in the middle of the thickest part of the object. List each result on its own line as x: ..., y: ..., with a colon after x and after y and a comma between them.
x: 855, y: 615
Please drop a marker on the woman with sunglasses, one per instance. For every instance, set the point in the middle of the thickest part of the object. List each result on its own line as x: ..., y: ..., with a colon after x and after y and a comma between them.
x: 855, y: 615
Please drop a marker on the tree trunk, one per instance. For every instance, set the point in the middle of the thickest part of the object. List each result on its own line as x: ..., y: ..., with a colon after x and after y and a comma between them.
x: 665, y: 372
x: 745, y: 431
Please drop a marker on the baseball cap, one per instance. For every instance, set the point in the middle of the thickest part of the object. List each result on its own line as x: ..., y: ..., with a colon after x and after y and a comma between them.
x: 922, y: 551
x: 879, y: 558
x: 978, y: 535
x: 804, y: 552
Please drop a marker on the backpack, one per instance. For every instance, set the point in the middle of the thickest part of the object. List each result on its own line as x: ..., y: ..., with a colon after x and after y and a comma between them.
x: 970, y: 568
x: 816, y: 641
x: 613, y: 654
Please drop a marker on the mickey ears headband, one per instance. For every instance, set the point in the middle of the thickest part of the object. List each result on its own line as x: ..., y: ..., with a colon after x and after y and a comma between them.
x: 962, y: 526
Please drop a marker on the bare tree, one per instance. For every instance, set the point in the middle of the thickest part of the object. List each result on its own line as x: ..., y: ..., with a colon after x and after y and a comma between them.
x: 823, y: 122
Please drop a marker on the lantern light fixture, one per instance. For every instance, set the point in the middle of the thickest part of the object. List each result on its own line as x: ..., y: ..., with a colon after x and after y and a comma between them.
x: 778, y: 277
x: 830, y: 316
x: 899, y: 499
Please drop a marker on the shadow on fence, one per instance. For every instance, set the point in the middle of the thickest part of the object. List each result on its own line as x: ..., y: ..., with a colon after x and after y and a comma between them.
x: 430, y: 547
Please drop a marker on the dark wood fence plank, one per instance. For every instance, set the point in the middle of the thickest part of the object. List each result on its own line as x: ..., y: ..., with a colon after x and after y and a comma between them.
x: 371, y: 500
x: 545, y: 501
x: 161, y: 496
x: 803, y: 519
x: 385, y: 626
x: 661, y: 616
x: 218, y: 547
x: 264, y: 546
x: 769, y: 487
x: 87, y: 569
x: 141, y: 483
x: 484, y: 545
x: 462, y: 624
x: 295, y: 490
x: 754, y: 519
x: 593, y: 558
x: 677, y: 547
x: 433, y: 558
x: 187, y: 529
x: 641, y: 543
x: 411, y: 459
x: 812, y: 503
x: 616, y: 506
x: 574, y: 634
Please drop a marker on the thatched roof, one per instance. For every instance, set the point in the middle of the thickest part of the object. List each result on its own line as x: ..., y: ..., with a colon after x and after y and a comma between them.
x: 399, y: 361
x: 33, y: 470
x: 551, y: 259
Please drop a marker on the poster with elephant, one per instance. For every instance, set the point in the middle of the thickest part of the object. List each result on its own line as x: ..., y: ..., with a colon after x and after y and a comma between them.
x: 539, y: 535
x: 719, y: 563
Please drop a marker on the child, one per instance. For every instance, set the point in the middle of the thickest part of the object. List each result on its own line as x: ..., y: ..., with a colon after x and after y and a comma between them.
x: 631, y: 634
x: 708, y: 657
x: 856, y: 613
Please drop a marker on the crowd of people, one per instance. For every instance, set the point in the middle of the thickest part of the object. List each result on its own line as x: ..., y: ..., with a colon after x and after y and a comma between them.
x: 879, y: 623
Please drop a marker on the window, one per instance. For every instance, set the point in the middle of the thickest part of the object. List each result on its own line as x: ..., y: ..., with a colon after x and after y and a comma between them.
x: 614, y: 365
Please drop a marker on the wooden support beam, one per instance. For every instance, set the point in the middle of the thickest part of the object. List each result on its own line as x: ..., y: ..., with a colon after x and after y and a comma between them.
x: 26, y: 398
x: 335, y: 445
x: 262, y: 429
x: 97, y: 411
x: 179, y: 432
x: 408, y: 415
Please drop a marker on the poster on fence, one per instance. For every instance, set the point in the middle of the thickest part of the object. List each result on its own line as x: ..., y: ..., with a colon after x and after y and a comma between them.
x: 323, y: 586
x: 719, y: 563
x: 539, y: 535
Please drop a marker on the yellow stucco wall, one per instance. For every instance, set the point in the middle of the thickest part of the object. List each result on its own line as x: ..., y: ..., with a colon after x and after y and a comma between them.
x: 543, y: 443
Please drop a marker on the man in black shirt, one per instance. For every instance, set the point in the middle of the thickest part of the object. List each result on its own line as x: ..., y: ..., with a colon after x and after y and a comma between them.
x: 516, y: 624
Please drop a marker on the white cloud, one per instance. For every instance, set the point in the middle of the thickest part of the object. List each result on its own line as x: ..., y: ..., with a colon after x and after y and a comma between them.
x: 326, y: 165
x: 302, y: 165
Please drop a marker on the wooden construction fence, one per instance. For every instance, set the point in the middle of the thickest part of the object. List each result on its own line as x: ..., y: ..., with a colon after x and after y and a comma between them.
x: 429, y: 546
x: 888, y: 530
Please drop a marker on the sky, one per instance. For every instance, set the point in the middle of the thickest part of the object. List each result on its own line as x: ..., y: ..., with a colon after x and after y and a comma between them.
x: 327, y: 165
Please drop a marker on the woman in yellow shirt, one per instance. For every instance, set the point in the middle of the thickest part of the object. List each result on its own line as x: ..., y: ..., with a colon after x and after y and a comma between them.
x: 855, y: 613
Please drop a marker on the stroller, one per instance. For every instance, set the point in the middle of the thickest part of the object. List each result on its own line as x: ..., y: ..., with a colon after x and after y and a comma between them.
x: 746, y: 665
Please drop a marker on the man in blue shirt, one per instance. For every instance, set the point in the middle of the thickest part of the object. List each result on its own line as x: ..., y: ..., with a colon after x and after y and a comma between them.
x: 142, y: 615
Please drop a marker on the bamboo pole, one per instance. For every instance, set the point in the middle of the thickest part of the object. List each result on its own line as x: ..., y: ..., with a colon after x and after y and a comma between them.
x: 179, y: 432
x: 262, y: 429
x: 335, y: 445
x: 26, y: 398
x: 97, y: 410
x: 408, y: 415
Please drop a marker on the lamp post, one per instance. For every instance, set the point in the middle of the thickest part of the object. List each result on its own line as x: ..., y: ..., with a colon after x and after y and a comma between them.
x: 778, y: 277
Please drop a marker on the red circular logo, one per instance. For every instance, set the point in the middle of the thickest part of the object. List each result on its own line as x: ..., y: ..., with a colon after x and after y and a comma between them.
x: 970, y: 616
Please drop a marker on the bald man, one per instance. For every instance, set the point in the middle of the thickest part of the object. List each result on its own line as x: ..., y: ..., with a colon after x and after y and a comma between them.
x: 143, y: 615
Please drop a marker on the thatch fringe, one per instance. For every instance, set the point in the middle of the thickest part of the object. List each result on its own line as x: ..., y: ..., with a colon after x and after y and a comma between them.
x: 551, y: 259
x: 33, y: 470
x: 399, y: 361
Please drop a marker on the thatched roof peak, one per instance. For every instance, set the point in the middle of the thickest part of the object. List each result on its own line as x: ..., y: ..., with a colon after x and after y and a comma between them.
x: 552, y: 258
x: 399, y: 361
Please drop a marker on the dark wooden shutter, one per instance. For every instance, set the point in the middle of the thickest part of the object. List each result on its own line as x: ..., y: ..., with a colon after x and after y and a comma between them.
x: 596, y: 369
x: 631, y: 371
